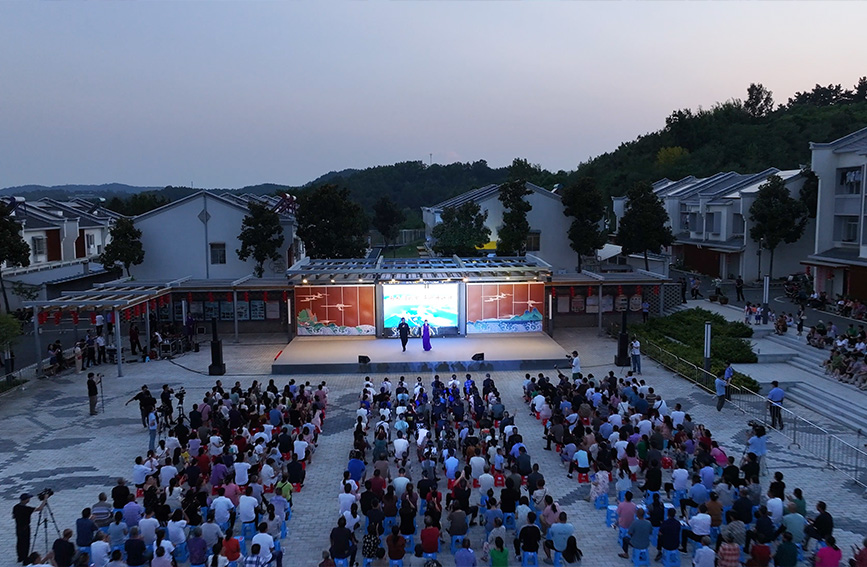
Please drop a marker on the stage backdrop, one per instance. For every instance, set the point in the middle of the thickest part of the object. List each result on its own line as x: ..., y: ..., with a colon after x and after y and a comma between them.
x: 335, y: 310
x: 435, y: 303
x: 505, y: 308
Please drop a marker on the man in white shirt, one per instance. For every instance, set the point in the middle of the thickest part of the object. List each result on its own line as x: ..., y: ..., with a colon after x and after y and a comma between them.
x: 400, y: 482
x: 677, y: 416
x: 147, y: 527
x: 266, y: 546
x: 242, y: 471
x: 222, y: 506
x: 401, y: 448
x: 699, y: 527
x: 775, y: 509
x: 299, y: 447
x: 215, y: 445
x: 247, y: 507
x: 680, y: 479
x: 139, y: 472
x: 99, y: 550
x: 704, y: 557
x: 477, y: 464
x: 167, y: 472
x: 346, y: 499
x: 635, y: 351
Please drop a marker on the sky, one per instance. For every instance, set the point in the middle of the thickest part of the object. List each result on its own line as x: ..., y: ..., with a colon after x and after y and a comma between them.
x: 228, y: 94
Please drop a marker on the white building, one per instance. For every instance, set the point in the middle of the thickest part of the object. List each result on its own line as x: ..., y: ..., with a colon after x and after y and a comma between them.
x: 840, y: 254
x: 549, y: 227
x: 197, y: 236
x: 710, y: 221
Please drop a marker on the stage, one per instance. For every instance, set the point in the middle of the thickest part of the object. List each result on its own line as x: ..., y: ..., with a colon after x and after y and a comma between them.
x: 339, y: 355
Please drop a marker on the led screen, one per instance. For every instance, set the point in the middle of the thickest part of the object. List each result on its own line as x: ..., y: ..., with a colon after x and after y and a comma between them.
x: 435, y: 303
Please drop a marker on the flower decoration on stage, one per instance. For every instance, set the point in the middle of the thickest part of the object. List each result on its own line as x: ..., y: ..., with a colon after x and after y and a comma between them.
x: 127, y: 314
x: 229, y: 297
x: 58, y: 315
x: 42, y: 317
x: 620, y: 290
x: 75, y: 317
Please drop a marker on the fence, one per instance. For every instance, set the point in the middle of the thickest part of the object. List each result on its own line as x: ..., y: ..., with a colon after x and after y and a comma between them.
x: 834, y: 452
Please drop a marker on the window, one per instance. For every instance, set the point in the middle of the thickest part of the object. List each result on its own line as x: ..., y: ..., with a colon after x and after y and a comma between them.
x: 849, y: 181
x: 89, y: 241
x: 218, y: 252
x: 738, y: 227
x: 846, y: 229
x: 37, y: 245
x: 534, y: 241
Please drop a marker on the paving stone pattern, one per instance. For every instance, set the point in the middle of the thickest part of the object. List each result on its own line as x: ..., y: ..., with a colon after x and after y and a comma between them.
x: 51, y: 441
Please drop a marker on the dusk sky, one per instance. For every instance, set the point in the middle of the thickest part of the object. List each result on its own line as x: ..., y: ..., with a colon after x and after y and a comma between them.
x: 222, y: 94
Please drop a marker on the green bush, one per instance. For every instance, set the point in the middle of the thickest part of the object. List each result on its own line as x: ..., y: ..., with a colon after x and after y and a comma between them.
x: 682, y: 334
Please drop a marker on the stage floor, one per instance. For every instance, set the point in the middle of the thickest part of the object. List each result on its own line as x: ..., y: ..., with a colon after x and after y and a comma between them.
x: 339, y: 355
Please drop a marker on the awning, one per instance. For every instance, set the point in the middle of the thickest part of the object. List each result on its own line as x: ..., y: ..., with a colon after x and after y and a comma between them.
x: 491, y: 245
x: 823, y: 264
x: 608, y: 251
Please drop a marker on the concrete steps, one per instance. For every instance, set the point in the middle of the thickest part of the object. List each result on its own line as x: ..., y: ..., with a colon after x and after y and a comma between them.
x: 838, y: 402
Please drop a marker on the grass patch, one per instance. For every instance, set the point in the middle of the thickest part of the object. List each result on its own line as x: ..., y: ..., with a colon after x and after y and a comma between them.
x: 406, y: 251
x: 682, y: 334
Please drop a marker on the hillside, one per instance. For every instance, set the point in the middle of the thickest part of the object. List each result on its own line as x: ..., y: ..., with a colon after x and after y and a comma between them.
x: 106, y: 188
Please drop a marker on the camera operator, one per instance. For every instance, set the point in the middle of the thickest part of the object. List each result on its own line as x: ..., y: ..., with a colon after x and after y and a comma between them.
x: 21, y: 513
x: 166, y: 399
x: 92, y: 392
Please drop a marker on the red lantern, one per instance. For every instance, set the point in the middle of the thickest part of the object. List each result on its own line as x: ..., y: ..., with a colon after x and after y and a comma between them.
x: 656, y: 290
x: 620, y: 290
x: 210, y: 297
x: 229, y: 297
x: 589, y: 291
x: 42, y: 317
x: 638, y: 290
x: 93, y: 318
x: 553, y: 292
x: 265, y: 296
x: 75, y: 317
x: 127, y: 314
x: 285, y: 296
x: 58, y: 315
x: 246, y: 296
x: 189, y: 297
x: 571, y: 291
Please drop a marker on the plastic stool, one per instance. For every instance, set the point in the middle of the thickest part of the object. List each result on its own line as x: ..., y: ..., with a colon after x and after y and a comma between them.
x: 621, y: 533
x: 429, y: 555
x: 654, y: 537
x: 611, y: 515
x: 648, y: 496
x: 499, y: 480
x: 583, y: 478
x: 601, y: 501
x: 242, y: 543
x: 621, y: 495
x: 529, y: 558
x: 368, y: 562
x: 509, y: 521
x: 670, y: 558
x: 248, y: 529
x: 410, y: 541
x: 395, y: 563
x: 457, y: 543
x: 341, y: 562
x: 181, y: 552
x: 678, y: 496
x: 640, y: 557
x: 557, y: 559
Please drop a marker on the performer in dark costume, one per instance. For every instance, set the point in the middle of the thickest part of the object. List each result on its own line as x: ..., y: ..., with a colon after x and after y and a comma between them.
x: 403, y: 331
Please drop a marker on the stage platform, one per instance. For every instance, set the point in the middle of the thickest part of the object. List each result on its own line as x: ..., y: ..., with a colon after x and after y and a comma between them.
x: 339, y: 355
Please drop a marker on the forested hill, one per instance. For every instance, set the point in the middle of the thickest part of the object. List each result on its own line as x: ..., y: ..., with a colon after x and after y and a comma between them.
x: 743, y: 136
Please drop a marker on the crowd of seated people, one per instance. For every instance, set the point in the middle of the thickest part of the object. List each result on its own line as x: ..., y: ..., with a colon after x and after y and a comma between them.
x: 217, y: 490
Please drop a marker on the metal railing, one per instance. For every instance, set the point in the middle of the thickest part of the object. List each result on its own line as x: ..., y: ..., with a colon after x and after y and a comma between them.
x: 834, y: 452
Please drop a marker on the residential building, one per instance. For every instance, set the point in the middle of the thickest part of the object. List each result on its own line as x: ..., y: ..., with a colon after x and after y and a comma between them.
x: 710, y: 221
x: 840, y: 254
x: 197, y: 236
x: 549, y: 227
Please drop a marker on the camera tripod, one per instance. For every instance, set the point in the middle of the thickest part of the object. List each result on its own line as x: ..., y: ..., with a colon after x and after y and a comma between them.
x: 42, y: 520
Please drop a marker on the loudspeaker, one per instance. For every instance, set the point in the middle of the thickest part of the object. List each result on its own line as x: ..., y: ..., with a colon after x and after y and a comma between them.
x: 479, y: 356
x: 362, y: 359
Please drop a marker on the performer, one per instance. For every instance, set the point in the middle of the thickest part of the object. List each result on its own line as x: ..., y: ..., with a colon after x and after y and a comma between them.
x: 425, y: 336
x: 403, y: 331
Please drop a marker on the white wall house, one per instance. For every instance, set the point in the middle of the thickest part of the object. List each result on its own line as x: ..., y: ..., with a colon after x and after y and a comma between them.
x: 197, y: 236
x: 710, y: 221
x: 549, y: 227
x: 840, y: 253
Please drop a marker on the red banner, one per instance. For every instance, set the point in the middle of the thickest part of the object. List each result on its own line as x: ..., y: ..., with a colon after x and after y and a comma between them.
x: 58, y: 315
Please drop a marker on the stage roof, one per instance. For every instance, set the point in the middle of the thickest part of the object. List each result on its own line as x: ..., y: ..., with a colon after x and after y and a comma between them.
x: 320, y: 272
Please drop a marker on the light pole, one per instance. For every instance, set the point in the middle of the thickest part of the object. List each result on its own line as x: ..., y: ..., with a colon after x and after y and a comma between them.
x: 707, y: 346
x: 767, y: 288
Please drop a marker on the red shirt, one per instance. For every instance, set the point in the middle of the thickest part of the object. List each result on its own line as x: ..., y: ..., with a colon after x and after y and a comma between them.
x: 377, y: 486
x: 430, y: 539
x: 232, y: 549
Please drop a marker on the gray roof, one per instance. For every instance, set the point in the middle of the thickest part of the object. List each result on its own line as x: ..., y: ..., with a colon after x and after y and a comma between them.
x: 856, y: 142
x: 848, y: 255
x: 691, y: 190
x: 482, y: 193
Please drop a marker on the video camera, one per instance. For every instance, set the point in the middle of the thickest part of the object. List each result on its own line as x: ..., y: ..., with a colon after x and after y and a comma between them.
x: 46, y: 493
x: 180, y: 394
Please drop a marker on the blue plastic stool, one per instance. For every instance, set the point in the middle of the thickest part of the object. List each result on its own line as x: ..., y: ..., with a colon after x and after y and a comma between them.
x: 621, y: 495
x: 204, y: 512
x: 410, y: 541
x: 611, y: 516
x: 181, y: 552
x: 800, y: 552
x: 242, y: 543
x: 232, y: 564
x: 284, y: 530
x: 621, y: 533
x: 648, y: 496
x: 248, y: 529
x: 341, y: 562
x: 557, y: 559
x: 276, y: 545
x: 422, y: 506
x: 395, y: 563
x: 678, y: 496
x: 457, y: 543
x: 429, y: 555
x: 670, y: 558
x: 368, y: 562
x: 388, y: 523
x: 509, y: 521
x: 529, y: 558
x: 654, y: 537
x: 714, y: 534
x: 601, y: 501
x: 640, y: 557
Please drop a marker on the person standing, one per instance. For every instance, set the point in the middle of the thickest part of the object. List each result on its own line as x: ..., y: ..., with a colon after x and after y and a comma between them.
x: 425, y: 336
x: 92, y: 391
x: 739, y: 288
x: 134, y: 342
x: 100, y: 321
x: 720, y: 386
x: 78, y: 354
x: 152, y: 428
x: 799, y: 319
x: 403, y: 331
x: 145, y: 401
x: 683, y: 287
x: 635, y: 351
x: 100, y: 350
x: 775, y: 404
x: 645, y: 311
x: 90, y: 350
x: 21, y: 513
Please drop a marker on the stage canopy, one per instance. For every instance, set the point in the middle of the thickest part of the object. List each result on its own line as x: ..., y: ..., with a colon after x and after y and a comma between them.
x: 323, y: 272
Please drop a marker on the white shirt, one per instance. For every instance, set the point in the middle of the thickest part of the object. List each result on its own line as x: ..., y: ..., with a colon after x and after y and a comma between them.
x: 221, y: 506
x: 677, y: 417
x: 167, y: 473
x: 176, y: 532
x: 139, y: 474
x: 266, y: 543
x: 576, y: 364
x: 299, y: 447
x: 775, y: 508
x: 345, y: 501
x: 700, y: 524
x: 680, y: 479
x: 242, y: 476
x: 401, y: 446
x: 99, y: 552
x: 636, y: 347
x: 215, y: 446
x: 478, y: 465
x: 615, y: 419
x: 267, y: 475
x: 147, y: 527
x: 247, y: 508
x: 399, y: 484
x: 704, y: 557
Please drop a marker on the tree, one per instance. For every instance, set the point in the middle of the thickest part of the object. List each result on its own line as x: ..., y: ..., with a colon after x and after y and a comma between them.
x: 261, y: 236
x: 760, y: 101
x: 330, y: 224
x: 125, y: 247
x: 583, y: 202
x: 643, y: 227
x: 776, y: 217
x: 14, y: 251
x: 809, y: 192
x: 387, y: 217
x: 462, y: 230
x: 512, y: 236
